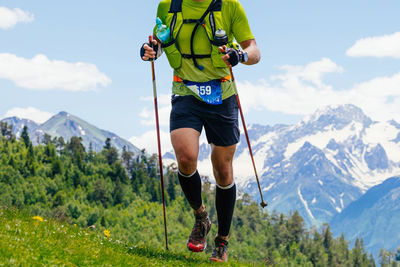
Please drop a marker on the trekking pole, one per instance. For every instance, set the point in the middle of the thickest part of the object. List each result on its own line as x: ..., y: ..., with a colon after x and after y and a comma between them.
x: 262, y: 204
x: 159, y: 144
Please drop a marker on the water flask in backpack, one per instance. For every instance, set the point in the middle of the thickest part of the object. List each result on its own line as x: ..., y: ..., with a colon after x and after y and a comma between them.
x: 162, y: 31
x: 220, y: 38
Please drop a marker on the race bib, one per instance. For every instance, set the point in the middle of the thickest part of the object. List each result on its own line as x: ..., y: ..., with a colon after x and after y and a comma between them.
x: 210, y: 91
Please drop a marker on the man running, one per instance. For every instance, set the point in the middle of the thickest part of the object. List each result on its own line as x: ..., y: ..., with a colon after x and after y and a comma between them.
x: 203, y: 96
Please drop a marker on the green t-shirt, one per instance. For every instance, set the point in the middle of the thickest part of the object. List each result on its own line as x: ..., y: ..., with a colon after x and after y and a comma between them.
x: 236, y: 26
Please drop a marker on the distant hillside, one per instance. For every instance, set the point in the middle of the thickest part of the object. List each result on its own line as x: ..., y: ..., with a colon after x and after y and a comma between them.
x: 374, y: 217
x: 66, y: 125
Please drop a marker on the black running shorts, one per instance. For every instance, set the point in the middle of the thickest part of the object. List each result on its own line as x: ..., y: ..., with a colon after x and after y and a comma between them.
x: 220, y: 121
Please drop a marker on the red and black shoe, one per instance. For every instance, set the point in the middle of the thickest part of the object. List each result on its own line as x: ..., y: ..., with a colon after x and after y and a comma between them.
x: 198, y: 238
x: 220, y: 251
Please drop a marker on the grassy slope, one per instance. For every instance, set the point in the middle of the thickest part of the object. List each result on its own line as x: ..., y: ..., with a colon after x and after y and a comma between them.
x: 28, y: 242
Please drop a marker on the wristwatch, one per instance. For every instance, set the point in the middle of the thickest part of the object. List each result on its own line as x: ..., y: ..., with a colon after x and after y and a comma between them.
x: 243, y: 56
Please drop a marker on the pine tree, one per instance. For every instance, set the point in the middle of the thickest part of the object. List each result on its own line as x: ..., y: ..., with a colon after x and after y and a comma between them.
x: 46, y: 139
x: 171, y: 187
x: 91, y: 153
x: 118, y: 193
x: 30, y: 160
x: 357, y: 253
x: 25, y: 136
x: 327, y: 237
x: 126, y: 157
x: 107, y: 144
x: 60, y: 144
x: 110, y: 152
x: 77, y: 150
x: 296, y: 226
x: 3, y: 128
x: 6, y: 130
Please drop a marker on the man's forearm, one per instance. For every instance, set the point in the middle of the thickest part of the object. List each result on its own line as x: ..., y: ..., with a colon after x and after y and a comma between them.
x: 253, y: 53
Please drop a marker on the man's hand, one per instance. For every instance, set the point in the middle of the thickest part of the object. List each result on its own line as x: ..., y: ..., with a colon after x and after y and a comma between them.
x: 249, y: 47
x: 148, y: 53
x: 232, y: 56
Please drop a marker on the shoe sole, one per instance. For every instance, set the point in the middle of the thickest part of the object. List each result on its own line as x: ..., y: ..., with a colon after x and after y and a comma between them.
x: 217, y: 260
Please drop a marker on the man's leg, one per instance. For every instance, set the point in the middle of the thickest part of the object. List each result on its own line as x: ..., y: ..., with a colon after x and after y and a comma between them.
x: 186, y: 145
x: 222, y: 157
x: 185, y: 142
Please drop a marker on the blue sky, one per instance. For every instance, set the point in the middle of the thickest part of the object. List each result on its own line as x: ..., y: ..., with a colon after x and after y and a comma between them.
x: 82, y: 57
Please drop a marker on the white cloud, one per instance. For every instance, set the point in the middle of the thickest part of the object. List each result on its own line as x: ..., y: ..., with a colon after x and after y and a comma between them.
x: 312, y: 72
x: 300, y: 90
x: 164, y: 109
x: 30, y: 113
x: 10, y: 17
x: 290, y: 92
x: 41, y: 73
x: 378, y: 46
x: 148, y: 140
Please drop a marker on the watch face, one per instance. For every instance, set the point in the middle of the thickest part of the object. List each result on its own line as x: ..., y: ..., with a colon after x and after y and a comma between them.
x: 243, y: 57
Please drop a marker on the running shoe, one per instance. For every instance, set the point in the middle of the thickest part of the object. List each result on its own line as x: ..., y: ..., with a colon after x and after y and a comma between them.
x: 198, y: 238
x: 220, y: 251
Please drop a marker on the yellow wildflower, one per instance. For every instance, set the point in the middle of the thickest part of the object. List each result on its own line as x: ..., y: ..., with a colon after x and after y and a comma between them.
x: 38, y: 218
x: 107, y: 233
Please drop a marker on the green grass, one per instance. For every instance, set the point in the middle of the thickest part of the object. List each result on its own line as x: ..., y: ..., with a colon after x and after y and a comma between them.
x: 25, y: 241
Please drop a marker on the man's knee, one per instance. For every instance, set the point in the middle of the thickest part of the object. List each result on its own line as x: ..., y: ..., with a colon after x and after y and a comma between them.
x: 224, y: 174
x: 223, y: 170
x: 187, y: 163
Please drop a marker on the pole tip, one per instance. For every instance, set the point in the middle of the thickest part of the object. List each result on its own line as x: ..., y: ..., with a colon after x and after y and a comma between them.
x: 263, y: 204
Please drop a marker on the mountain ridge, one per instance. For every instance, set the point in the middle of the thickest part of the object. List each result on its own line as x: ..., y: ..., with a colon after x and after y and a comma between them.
x: 358, y: 153
x: 66, y: 125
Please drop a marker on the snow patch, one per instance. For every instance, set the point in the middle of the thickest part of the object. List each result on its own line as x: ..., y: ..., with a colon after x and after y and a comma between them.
x: 269, y: 187
x: 310, y: 160
x: 322, y: 138
x: 81, y: 130
x: 382, y: 133
x: 267, y: 139
x: 314, y: 200
x: 304, y: 202
x: 320, y: 182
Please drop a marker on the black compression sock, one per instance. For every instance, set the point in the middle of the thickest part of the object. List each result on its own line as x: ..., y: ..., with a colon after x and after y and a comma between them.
x: 225, y: 203
x: 191, y: 187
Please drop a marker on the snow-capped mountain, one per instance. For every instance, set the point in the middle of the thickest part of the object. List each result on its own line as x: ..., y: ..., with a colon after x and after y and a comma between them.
x: 319, y: 165
x: 67, y: 125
